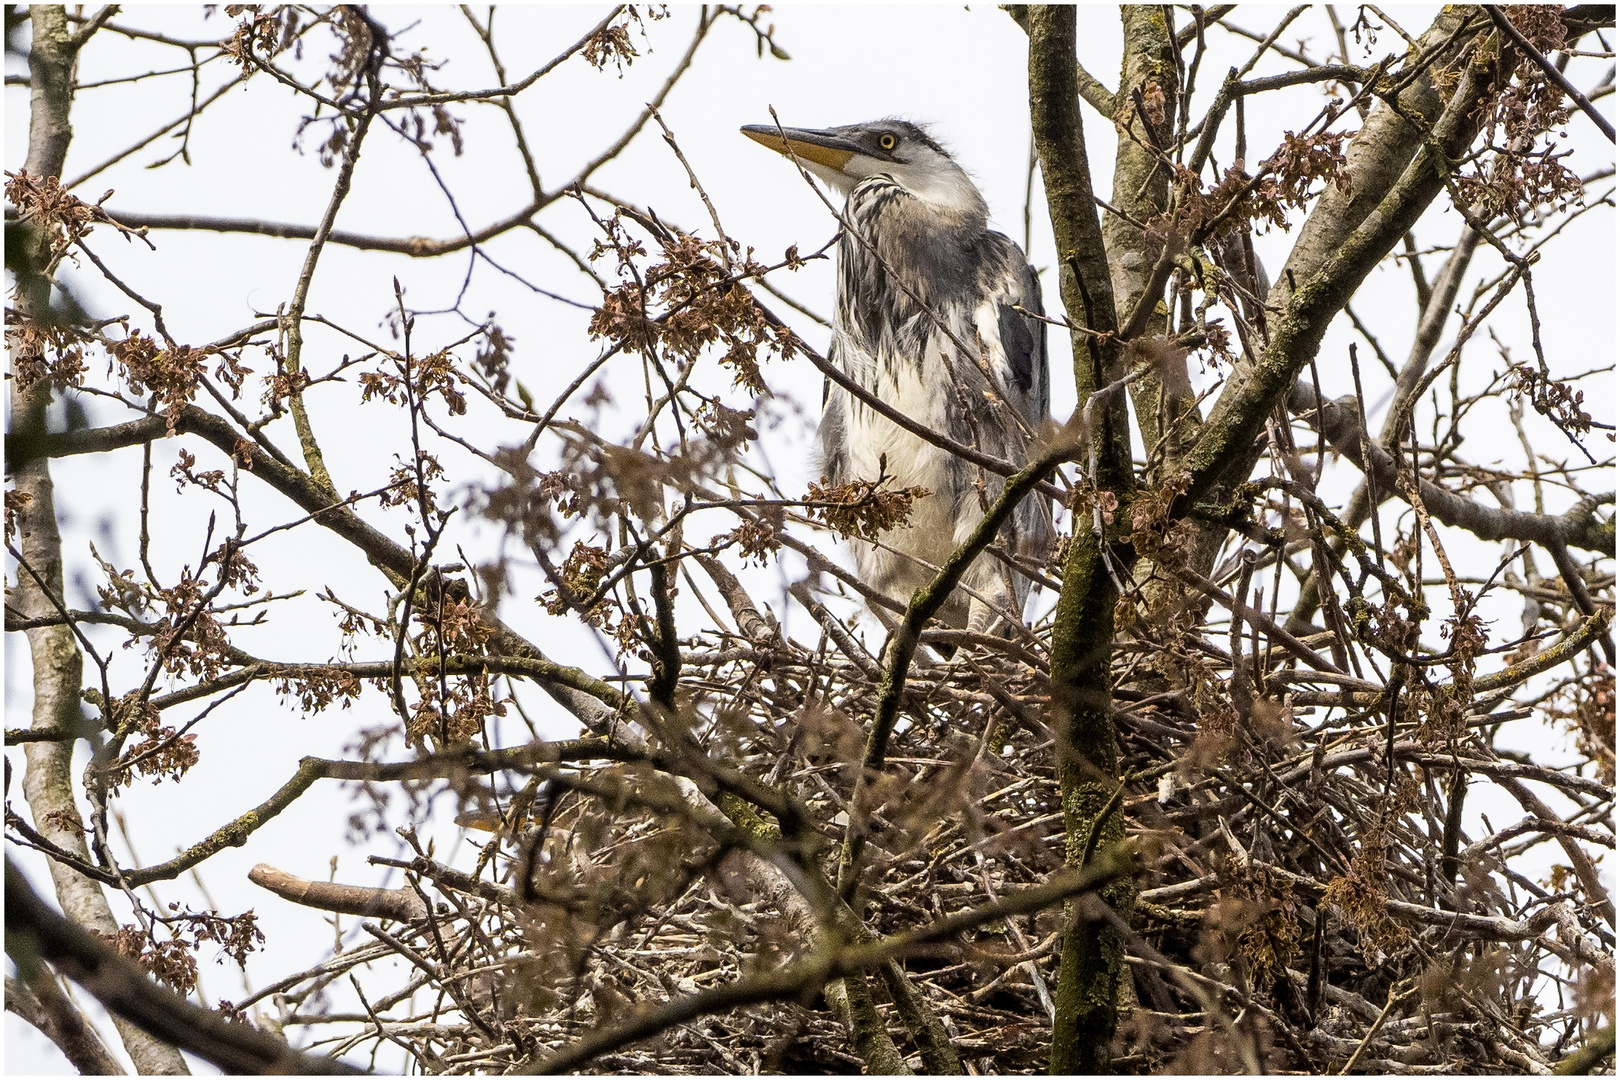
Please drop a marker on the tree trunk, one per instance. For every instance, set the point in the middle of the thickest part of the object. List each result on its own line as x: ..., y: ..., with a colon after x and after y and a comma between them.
x: 1082, y: 635
x: 1166, y: 407
x: 58, y: 665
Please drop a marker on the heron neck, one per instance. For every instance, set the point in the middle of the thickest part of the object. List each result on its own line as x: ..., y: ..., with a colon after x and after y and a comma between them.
x: 911, y: 207
x: 932, y: 250
x: 951, y: 198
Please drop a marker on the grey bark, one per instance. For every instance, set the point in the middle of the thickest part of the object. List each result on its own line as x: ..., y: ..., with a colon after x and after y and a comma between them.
x: 1362, y: 222
x: 59, y: 1020
x: 1374, y: 161
x: 58, y: 665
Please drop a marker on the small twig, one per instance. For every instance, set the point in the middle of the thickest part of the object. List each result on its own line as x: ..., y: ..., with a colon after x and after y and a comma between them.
x: 1395, y: 998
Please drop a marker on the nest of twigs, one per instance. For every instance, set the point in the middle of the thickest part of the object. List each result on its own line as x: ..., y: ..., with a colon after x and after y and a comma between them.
x: 1301, y: 902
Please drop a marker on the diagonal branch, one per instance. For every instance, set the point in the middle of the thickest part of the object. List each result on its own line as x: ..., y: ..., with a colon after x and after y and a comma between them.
x: 925, y: 604
x: 60, y: 1021
x: 1225, y: 449
x: 34, y: 931
x: 1340, y: 423
x: 581, y: 694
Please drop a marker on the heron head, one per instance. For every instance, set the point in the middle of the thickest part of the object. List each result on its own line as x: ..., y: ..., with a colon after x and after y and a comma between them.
x: 898, y: 149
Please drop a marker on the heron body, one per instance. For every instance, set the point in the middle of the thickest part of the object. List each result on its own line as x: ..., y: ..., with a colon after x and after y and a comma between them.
x: 928, y: 321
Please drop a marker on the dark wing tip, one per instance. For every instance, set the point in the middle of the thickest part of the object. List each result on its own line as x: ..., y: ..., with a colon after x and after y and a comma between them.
x: 1017, y: 344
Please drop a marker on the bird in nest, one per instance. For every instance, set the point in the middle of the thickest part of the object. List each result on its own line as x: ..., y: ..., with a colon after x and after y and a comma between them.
x: 938, y: 317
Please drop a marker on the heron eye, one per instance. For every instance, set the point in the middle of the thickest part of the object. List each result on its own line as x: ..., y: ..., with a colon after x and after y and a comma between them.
x: 886, y: 141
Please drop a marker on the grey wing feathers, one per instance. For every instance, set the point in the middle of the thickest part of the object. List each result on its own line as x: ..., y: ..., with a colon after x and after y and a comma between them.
x: 833, y: 430
x: 1034, y: 520
x: 1018, y: 345
x: 1038, y: 360
x: 1023, y: 334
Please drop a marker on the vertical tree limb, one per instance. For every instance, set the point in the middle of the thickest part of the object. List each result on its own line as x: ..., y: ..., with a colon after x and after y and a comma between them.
x: 58, y: 665
x: 868, y: 1034
x: 1083, y: 627
x: 293, y: 321
x: 1142, y: 190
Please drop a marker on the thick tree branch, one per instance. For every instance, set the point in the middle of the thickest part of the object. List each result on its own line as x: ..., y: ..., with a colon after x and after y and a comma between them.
x: 1226, y: 447
x: 59, y: 1020
x: 1589, y: 1056
x: 400, y: 905
x: 1340, y: 423
x: 34, y: 932
x: 1092, y: 963
x: 58, y: 664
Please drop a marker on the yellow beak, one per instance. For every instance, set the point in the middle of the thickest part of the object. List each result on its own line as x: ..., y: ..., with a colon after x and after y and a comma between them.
x: 832, y: 151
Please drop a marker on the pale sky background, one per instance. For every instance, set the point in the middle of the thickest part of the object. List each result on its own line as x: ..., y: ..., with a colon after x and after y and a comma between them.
x: 962, y: 69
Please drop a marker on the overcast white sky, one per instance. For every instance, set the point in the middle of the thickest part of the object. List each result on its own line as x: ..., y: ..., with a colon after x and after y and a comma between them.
x: 962, y: 69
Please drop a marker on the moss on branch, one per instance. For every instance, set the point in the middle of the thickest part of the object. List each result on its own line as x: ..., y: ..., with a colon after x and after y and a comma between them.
x: 1083, y: 627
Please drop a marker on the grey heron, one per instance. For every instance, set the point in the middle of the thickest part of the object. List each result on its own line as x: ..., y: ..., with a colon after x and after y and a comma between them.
x: 928, y: 320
